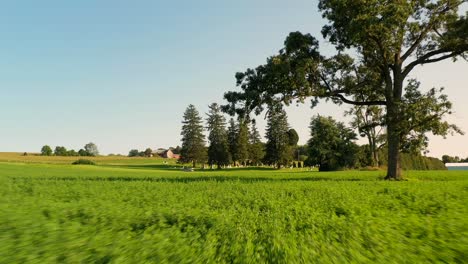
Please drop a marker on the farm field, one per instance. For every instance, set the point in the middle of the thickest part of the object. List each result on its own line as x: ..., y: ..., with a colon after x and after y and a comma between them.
x: 144, y: 211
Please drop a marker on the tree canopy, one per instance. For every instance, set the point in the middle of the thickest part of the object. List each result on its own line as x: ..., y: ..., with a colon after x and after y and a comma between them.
x: 331, y: 145
x: 46, y: 150
x: 91, y: 149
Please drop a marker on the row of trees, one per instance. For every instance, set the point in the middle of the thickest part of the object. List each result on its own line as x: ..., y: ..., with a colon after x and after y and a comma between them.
x: 331, y: 145
x: 450, y: 159
x: 89, y: 149
x: 136, y: 153
x: 239, y: 143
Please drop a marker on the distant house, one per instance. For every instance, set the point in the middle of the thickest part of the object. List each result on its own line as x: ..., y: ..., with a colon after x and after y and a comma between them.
x: 166, y: 153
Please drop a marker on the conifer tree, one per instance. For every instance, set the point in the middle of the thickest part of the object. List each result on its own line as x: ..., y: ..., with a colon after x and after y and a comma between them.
x: 277, y: 146
x: 218, y: 151
x: 242, y: 142
x: 256, y: 147
x: 193, y: 141
x: 232, y: 139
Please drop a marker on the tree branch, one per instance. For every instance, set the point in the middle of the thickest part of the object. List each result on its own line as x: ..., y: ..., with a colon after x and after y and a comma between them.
x: 347, y: 101
x: 427, y: 57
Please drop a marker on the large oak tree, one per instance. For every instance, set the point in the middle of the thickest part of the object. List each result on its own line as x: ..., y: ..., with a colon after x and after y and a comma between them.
x: 379, y: 44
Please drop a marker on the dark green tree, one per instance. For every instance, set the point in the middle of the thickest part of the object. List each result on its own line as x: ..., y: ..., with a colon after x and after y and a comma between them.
x: 131, y: 153
x: 83, y: 153
x: 193, y: 141
x: 72, y: 153
x: 148, y: 152
x: 91, y: 149
x: 242, y: 142
x: 293, y: 137
x: 60, y: 151
x: 218, y: 150
x: 46, y: 151
x: 232, y: 139
x: 277, y: 147
x: 256, y: 147
x: 380, y: 43
x: 331, y: 145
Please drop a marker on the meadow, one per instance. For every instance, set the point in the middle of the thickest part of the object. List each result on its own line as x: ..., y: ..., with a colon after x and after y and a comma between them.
x: 141, y: 210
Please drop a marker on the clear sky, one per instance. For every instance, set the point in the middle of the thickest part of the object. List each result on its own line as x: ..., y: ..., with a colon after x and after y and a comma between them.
x: 121, y: 73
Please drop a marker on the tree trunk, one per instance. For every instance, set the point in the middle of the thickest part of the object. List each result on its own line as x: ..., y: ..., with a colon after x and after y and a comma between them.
x: 373, y: 150
x: 393, y: 139
x: 194, y: 163
x: 376, y: 157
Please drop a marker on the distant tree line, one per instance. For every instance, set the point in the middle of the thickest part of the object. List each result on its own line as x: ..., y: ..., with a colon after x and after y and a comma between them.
x: 89, y: 150
x: 331, y: 145
x: 450, y: 159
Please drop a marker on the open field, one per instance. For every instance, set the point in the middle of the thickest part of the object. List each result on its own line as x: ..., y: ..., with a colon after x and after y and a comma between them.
x: 141, y: 210
x: 101, y: 160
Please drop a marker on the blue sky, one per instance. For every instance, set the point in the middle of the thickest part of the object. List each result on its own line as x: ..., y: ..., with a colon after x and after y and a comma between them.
x: 120, y: 73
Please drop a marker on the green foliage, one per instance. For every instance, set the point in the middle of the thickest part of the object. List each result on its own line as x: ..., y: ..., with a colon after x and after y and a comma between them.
x: 421, y: 114
x: 242, y: 143
x: 83, y: 153
x: 369, y: 120
x: 91, y: 149
x: 46, y: 151
x: 232, y: 138
x: 278, y: 149
x: 81, y: 214
x: 456, y: 159
x: 293, y: 137
x: 148, y: 152
x: 134, y: 153
x: 331, y: 145
x: 218, y: 150
x: 256, y: 146
x: 60, y: 151
x: 415, y: 161
x: 84, y: 162
x: 193, y: 141
x: 72, y: 153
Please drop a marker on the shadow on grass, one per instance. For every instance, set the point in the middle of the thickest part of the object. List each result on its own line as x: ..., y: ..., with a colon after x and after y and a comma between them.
x: 180, y: 167
x: 189, y: 179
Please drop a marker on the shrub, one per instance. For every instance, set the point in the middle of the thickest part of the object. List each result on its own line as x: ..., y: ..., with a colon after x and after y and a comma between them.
x: 84, y: 162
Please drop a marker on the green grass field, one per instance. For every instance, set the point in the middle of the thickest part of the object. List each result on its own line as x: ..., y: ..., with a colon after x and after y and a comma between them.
x: 143, y: 211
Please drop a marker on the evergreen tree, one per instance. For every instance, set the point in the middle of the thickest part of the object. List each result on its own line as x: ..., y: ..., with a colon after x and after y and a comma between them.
x: 232, y: 139
x: 242, y: 142
x: 277, y: 146
x: 193, y: 141
x: 256, y: 147
x: 218, y: 151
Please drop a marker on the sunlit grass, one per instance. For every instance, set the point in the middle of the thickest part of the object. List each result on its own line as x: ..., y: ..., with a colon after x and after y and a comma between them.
x: 143, y: 210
